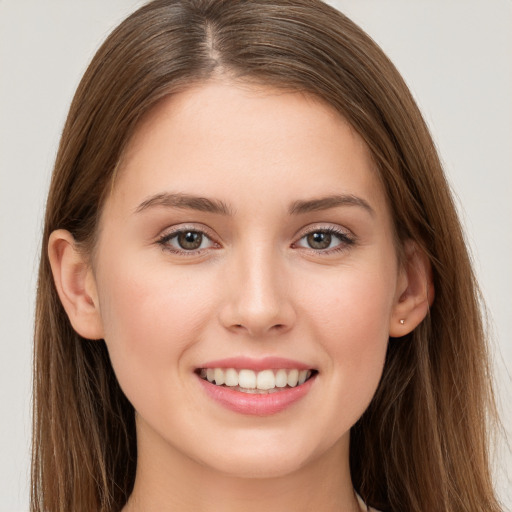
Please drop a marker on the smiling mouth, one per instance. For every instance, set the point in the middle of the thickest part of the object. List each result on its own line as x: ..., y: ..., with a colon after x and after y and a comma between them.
x: 253, y: 382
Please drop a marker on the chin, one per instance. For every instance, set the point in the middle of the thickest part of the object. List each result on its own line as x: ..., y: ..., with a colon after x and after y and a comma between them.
x: 259, y: 466
x: 265, y: 458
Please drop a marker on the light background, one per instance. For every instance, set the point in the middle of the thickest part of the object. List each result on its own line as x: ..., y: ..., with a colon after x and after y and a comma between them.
x: 456, y: 55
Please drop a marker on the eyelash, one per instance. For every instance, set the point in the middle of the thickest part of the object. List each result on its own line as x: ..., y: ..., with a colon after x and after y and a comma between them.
x: 164, y: 240
x: 345, y: 240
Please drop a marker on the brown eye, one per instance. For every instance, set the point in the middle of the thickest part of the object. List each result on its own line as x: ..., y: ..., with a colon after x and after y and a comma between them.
x: 189, y: 240
x: 326, y: 240
x: 319, y: 240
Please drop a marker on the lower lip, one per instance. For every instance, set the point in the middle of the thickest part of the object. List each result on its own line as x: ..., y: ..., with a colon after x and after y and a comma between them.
x: 256, y: 404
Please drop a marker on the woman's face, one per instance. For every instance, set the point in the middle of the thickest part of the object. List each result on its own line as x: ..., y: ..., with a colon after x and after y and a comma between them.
x: 247, y: 233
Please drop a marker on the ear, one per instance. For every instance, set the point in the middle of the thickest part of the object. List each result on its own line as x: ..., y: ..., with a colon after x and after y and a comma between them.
x: 415, y: 291
x: 75, y: 284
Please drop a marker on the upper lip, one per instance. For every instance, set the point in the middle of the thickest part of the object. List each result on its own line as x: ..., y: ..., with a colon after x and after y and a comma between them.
x: 248, y: 363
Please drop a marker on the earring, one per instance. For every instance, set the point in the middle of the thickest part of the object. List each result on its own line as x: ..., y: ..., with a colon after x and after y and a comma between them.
x: 402, y: 321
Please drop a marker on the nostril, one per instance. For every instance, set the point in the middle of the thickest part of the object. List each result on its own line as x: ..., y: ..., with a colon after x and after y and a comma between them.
x: 273, y: 328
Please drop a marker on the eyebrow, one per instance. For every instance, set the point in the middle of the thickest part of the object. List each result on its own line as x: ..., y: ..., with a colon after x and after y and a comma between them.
x: 204, y: 204
x: 185, y: 201
x: 325, y: 203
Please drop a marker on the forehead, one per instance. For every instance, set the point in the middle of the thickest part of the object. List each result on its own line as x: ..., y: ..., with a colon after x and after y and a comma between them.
x: 246, y: 141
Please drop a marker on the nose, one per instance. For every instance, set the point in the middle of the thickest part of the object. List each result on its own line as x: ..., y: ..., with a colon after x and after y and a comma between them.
x: 258, y: 300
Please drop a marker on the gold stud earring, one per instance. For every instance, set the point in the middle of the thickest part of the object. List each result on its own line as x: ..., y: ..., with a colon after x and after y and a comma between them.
x: 402, y: 321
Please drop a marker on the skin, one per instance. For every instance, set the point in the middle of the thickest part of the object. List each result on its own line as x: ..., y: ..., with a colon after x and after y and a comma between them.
x: 255, y: 288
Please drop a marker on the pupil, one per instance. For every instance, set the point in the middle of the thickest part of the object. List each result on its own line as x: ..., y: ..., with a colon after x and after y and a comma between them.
x: 190, y: 240
x: 319, y: 240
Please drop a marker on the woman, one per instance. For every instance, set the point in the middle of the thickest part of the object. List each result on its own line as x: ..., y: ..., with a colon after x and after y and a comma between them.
x: 248, y: 294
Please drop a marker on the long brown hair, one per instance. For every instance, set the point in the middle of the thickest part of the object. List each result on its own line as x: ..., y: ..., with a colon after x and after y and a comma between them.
x: 422, y: 445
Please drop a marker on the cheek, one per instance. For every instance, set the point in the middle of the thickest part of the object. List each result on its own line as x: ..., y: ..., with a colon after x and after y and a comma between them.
x: 150, y: 319
x: 354, y: 305
x: 350, y: 319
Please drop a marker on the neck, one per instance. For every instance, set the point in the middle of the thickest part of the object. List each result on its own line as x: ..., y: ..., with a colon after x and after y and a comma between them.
x: 168, y: 480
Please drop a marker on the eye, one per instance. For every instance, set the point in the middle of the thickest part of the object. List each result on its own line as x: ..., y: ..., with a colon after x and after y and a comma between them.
x: 325, y: 240
x: 319, y: 240
x: 186, y: 241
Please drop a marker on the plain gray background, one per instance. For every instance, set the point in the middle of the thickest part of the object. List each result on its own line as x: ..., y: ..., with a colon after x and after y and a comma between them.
x: 456, y: 55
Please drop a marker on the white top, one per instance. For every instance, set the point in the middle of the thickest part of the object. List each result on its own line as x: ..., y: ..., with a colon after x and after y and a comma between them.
x: 364, y: 507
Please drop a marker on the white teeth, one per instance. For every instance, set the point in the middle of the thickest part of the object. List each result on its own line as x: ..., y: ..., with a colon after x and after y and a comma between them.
x: 231, y: 377
x: 249, y: 380
x: 265, y: 380
x: 293, y: 378
x: 219, y: 376
x: 281, y: 378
